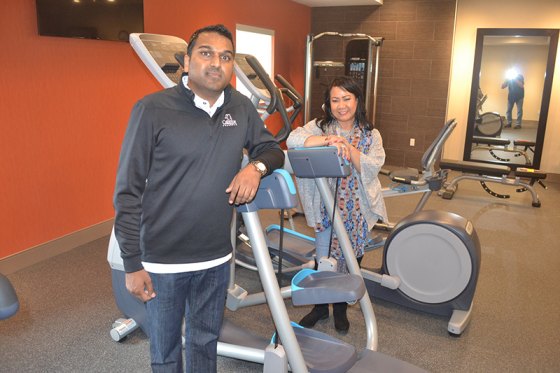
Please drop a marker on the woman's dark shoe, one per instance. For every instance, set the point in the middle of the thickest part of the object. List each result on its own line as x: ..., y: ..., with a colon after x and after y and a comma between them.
x: 319, y: 312
x: 341, y: 323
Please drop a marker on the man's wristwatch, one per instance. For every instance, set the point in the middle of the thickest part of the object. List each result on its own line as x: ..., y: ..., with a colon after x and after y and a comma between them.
x: 261, y: 167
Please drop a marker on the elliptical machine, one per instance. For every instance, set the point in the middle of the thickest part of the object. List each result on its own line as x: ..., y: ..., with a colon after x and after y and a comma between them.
x: 486, y: 124
x: 431, y: 262
x: 431, y: 259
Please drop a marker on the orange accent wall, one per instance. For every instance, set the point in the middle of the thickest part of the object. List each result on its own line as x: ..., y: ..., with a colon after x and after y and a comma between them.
x: 64, y: 106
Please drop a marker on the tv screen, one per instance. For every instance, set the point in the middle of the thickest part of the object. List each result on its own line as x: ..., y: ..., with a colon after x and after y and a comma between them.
x: 90, y: 19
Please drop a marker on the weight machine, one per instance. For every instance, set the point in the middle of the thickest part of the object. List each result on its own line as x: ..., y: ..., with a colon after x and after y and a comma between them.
x: 359, y: 64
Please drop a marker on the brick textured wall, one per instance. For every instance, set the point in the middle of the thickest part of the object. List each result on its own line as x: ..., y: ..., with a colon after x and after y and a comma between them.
x: 413, y: 68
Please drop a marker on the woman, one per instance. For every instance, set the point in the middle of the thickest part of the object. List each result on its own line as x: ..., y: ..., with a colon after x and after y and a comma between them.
x: 359, y: 199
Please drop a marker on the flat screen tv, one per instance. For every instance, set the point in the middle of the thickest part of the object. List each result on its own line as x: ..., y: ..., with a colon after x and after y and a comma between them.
x: 90, y: 19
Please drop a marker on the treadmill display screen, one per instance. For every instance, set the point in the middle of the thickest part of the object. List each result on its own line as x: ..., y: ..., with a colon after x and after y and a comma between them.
x: 90, y: 19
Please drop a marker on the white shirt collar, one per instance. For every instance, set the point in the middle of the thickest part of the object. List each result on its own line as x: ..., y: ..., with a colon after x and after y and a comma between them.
x: 201, y: 103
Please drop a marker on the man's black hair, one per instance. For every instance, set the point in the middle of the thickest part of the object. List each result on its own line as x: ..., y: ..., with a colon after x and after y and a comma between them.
x: 219, y: 29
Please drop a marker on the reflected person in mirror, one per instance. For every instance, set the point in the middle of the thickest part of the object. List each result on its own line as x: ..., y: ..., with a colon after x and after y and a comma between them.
x: 516, y: 93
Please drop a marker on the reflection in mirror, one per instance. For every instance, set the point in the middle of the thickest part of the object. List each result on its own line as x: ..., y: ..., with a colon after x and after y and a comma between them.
x: 510, y: 94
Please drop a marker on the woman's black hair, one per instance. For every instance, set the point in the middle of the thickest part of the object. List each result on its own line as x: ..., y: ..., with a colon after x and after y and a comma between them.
x: 350, y: 85
x: 219, y: 29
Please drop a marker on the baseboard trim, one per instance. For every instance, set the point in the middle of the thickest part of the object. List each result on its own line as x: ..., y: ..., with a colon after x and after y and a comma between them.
x: 55, y: 247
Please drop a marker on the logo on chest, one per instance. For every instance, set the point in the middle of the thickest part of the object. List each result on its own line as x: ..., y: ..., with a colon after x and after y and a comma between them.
x: 228, y: 121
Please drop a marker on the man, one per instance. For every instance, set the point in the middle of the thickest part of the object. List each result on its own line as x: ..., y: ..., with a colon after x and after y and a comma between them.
x: 177, y: 180
x: 516, y: 93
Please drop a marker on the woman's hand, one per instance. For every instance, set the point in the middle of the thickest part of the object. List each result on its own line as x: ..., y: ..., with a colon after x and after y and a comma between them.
x: 341, y: 144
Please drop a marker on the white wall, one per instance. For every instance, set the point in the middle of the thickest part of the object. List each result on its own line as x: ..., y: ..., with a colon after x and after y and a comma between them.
x: 474, y: 14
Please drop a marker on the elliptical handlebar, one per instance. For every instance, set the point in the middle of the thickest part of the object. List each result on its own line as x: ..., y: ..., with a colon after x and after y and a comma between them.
x: 263, y: 76
x: 289, y: 87
x: 293, y: 95
x: 296, y: 107
x: 276, y: 101
x: 284, y: 132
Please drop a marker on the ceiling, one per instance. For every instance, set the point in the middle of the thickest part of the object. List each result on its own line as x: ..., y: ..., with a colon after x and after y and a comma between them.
x: 320, y: 3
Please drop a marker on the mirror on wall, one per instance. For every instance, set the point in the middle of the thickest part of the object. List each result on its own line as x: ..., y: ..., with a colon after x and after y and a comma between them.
x: 510, y: 95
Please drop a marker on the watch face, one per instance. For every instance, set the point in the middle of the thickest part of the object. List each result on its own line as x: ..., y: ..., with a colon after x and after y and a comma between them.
x: 260, y: 167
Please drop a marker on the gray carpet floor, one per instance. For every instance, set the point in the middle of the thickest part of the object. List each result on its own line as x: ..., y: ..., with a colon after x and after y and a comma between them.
x: 67, y: 305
